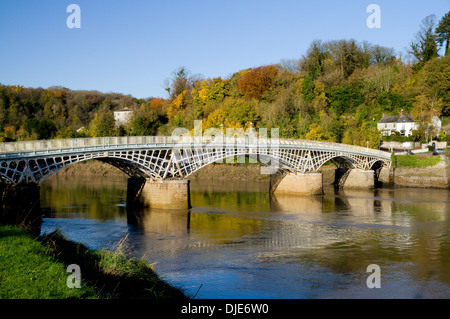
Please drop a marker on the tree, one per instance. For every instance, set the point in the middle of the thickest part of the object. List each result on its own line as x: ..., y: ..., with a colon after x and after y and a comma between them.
x: 423, y: 111
x: 424, y: 48
x: 318, y: 133
x: 443, y: 32
x: 143, y: 123
x: 344, y: 98
x: 103, y: 123
x: 359, y: 133
x: 314, y: 62
x: 347, y: 56
x: 379, y: 79
x: 381, y: 55
x: 41, y: 129
x: 435, y: 81
x: 308, y: 89
x: 254, y: 83
x: 46, y: 129
x: 182, y: 80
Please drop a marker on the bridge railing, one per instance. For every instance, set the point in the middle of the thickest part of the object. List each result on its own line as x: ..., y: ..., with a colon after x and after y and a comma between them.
x: 176, y: 141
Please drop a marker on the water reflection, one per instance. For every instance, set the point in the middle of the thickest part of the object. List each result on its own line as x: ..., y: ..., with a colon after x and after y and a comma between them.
x: 299, y: 204
x: 240, y: 242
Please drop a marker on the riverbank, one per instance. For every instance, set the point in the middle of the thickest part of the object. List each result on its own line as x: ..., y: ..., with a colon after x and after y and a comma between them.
x: 423, y: 172
x: 35, y: 268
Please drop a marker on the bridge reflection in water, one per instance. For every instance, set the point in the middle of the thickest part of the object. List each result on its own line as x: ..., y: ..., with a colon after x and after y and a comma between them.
x: 287, y: 221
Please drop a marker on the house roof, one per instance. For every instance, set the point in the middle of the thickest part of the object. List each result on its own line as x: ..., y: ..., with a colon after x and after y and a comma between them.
x: 397, y: 119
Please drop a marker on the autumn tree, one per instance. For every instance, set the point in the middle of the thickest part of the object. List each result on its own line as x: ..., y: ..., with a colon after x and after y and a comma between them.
x: 103, y: 123
x: 257, y: 81
x: 182, y: 80
x: 423, y: 111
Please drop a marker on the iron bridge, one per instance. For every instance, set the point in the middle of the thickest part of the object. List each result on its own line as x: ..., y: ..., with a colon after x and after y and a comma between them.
x: 164, y: 157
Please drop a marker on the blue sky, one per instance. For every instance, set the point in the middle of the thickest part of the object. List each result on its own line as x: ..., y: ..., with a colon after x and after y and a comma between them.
x: 132, y: 47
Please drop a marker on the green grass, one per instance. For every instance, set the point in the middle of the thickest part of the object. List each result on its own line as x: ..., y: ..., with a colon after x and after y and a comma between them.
x: 417, y: 161
x: 35, y: 268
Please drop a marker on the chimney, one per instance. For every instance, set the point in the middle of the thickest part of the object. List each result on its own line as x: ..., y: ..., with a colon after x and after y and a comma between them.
x: 384, y: 115
x: 402, y: 113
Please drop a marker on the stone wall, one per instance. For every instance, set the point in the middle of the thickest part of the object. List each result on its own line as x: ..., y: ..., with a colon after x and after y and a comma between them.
x: 428, y: 177
x: 437, y: 176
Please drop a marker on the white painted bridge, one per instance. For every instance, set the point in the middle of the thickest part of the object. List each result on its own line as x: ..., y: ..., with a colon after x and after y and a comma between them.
x: 176, y: 157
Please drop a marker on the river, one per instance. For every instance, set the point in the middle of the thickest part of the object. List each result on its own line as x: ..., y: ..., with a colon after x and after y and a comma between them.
x: 237, y: 241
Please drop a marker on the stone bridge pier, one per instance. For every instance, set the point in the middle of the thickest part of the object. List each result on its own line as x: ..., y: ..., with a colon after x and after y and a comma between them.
x: 355, y: 178
x: 297, y: 184
x: 174, y: 194
x: 160, y: 194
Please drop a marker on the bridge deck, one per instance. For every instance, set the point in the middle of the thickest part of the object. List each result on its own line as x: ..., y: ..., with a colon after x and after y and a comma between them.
x: 68, y: 146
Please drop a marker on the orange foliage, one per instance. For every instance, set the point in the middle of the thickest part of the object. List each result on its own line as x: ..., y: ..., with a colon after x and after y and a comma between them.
x: 158, y: 104
x: 255, y: 82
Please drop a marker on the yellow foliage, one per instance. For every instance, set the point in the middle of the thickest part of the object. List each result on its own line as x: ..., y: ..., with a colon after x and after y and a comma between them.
x: 317, y: 132
x: 319, y: 88
x: 215, y: 119
x: 180, y: 100
x: 16, y: 88
x: 10, y: 131
x: 177, y: 105
x: 203, y: 91
x: 298, y: 87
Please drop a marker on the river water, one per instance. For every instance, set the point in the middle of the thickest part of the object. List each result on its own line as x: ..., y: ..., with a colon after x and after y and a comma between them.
x: 237, y: 241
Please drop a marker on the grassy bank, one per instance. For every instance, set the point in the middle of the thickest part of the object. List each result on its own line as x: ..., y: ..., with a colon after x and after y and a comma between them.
x: 35, y: 268
x: 417, y: 160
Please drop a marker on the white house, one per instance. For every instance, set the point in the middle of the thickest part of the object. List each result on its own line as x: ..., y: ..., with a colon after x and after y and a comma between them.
x: 404, y: 124
x: 122, y: 117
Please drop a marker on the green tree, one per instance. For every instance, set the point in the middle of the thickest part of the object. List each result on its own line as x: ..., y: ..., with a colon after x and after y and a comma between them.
x: 344, y: 98
x: 443, y: 32
x: 314, y: 62
x: 435, y: 81
x: 308, y: 89
x: 424, y: 47
x: 46, y: 129
x: 144, y: 122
